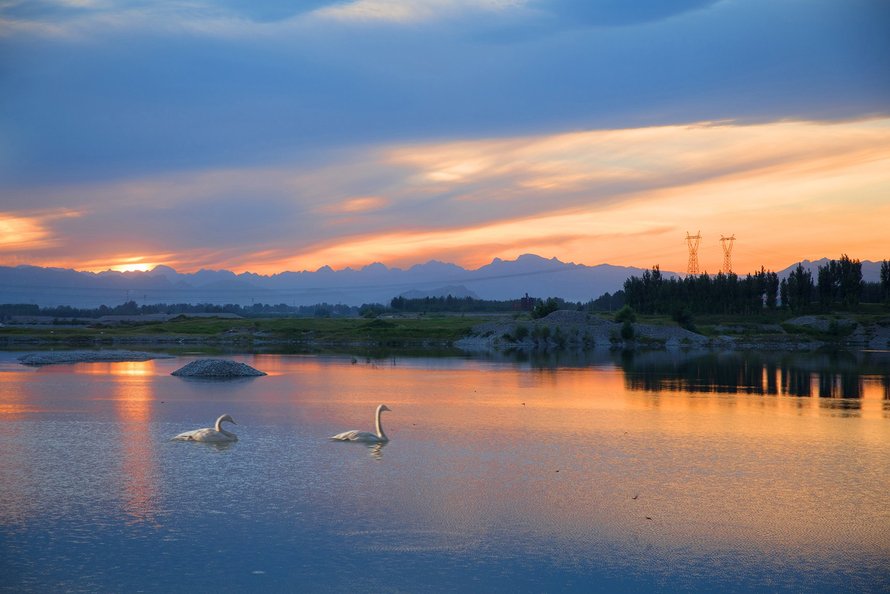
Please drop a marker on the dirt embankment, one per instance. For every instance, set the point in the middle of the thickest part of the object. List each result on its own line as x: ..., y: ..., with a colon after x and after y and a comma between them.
x: 582, y: 331
x: 575, y: 330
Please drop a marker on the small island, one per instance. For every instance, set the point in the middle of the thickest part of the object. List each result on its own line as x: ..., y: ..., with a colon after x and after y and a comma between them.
x: 217, y: 368
x: 115, y: 356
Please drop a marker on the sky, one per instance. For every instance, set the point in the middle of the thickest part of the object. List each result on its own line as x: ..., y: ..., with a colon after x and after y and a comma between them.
x: 272, y: 136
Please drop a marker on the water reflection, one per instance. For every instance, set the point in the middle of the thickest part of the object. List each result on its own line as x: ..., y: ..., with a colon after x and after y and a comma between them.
x: 636, y: 473
x: 848, y: 381
x: 376, y: 451
x: 133, y: 402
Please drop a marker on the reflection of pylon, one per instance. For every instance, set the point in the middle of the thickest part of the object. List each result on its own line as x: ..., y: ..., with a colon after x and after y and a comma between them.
x: 692, y: 241
x: 727, y: 253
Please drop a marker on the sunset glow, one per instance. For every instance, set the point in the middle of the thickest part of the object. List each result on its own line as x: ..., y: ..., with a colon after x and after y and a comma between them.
x: 469, y: 145
x: 140, y: 267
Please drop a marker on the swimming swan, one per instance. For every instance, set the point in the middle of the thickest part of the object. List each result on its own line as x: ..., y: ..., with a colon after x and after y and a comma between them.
x: 214, y: 434
x: 365, y: 436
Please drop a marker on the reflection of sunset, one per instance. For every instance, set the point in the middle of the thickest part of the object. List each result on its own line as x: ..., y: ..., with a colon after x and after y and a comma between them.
x: 133, y: 403
x: 563, y: 464
x: 121, y: 368
x: 581, y: 445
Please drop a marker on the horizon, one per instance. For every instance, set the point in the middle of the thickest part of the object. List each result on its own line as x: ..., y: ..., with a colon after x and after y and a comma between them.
x: 271, y: 138
x: 409, y: 267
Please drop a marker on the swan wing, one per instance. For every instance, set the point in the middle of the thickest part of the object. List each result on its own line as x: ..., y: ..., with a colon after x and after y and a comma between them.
x: 208, y: 434
x: 357, y: 436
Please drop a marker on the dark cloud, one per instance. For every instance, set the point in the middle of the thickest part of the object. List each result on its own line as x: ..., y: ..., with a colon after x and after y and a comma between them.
x: 138, y: 102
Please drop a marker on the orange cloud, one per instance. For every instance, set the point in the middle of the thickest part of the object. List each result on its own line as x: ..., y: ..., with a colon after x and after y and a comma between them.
x: 788, y: 191
x: 21, y: 232
x: 356, y: 205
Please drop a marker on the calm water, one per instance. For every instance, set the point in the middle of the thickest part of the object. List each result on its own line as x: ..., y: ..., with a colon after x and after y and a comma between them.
x: 636, y: 473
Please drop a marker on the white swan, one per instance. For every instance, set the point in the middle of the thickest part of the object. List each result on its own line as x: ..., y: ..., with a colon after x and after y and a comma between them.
x: 366, y: 436
x: 215, y: 434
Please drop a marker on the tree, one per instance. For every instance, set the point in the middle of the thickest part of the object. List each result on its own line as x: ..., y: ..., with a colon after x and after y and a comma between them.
x: 545, y: 308
x: 840, y: 282
x: 800, y: 288
x: 885, y: 280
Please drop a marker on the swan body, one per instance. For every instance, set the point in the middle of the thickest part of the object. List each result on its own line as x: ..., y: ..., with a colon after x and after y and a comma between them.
x: 366, y: 436
x: 215, y: 434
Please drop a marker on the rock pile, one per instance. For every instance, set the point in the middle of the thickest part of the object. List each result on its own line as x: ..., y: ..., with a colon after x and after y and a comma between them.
x: 217, y: 368
x: 54, y: 357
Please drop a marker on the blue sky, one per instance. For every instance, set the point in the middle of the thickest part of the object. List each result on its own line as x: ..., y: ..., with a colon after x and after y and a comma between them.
x: 287, y: 135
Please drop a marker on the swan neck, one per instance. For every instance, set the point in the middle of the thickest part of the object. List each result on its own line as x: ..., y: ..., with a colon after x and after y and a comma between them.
x: 218, y: 426
x: 380, y: 432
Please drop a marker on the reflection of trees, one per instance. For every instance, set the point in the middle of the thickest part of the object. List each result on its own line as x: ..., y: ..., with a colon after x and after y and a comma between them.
x: 796, y: 382
x: 837, y: 375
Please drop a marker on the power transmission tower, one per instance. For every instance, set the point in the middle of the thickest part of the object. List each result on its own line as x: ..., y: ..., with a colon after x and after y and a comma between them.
x: 692, y: 241
x: 727, y: 253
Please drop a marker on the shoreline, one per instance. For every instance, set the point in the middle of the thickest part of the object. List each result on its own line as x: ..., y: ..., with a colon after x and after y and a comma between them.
x: 562, y: 330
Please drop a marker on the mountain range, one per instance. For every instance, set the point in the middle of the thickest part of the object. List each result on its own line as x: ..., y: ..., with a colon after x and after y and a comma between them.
x: 374, y: 283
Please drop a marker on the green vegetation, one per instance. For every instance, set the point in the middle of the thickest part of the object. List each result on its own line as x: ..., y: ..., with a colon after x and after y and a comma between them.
x: 839, y: 287
x: 626, y: 314
x: 435, y: 330
x: 627, y: 330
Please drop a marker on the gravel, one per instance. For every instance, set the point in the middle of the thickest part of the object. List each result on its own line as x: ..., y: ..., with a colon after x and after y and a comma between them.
x: 220, y: 368
x: 55, y: 357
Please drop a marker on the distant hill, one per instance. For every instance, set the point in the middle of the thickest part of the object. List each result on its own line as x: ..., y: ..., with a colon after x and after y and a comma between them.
x: 458, y: 291
x: 374, y: 283
x: 871, y: 271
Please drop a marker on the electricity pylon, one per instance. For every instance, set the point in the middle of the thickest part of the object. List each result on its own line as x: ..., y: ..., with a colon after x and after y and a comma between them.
x: 692, y: 241
x: 727, y: 253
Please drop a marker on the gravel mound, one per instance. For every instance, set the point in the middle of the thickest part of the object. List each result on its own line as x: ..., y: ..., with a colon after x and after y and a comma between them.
x: 54, y: 357
x: 220, y: 368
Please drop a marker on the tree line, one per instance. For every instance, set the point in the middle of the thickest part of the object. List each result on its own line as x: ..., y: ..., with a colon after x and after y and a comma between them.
x: 838, y: 284
x: 131, y: 308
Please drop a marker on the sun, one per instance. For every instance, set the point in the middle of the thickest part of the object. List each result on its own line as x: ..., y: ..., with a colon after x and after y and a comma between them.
x: 132, y: 267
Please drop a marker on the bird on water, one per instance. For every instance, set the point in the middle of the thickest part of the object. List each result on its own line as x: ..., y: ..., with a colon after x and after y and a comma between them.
x: 366, y: 436
x: 215, y: 434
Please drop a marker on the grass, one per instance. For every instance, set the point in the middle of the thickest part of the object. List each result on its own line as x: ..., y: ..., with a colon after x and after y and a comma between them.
x: 383, y: 332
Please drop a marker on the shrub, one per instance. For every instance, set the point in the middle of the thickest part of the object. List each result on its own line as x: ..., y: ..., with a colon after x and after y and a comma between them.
x: 626, y: 314
x: 520, y: 332
x: 627, y: 330
x: 683, y: 317
x: 545, y: 308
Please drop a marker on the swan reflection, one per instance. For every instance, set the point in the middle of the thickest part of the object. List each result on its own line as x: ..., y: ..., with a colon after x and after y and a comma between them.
x: 376, y: 450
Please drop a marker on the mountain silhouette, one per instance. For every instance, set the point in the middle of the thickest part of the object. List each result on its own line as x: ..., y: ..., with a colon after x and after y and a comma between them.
x: 374, y: 283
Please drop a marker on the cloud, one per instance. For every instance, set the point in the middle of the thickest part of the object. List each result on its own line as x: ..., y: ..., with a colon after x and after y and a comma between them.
x: 416, y: 11
x: 158, y: 87
x: 356, y: 205
x: 605, y: 195
x: 29, y: 231
x: 618, y: 12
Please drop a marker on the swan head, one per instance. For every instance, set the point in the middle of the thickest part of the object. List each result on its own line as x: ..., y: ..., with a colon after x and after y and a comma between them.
x: 226, y: 418
x: 383, y: 407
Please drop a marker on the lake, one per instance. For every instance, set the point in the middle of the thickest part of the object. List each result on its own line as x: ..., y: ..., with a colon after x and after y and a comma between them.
x: 608, y: 472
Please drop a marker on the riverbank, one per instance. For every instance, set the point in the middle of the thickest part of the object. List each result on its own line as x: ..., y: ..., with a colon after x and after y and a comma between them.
x: 561, y: 330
